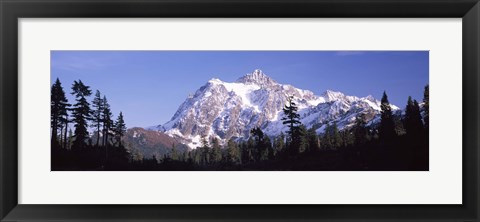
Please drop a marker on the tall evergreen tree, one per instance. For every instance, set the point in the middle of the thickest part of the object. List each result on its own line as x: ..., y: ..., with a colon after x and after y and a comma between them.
x: 81, y: 113
x: 387, y: 124
x: 58, y: 110
x: 413, y: 119
x: 417, y: 117
x: 65, y: 120
x: 263, y: 145
x: 97, y: 104
x: 120, y: 129
x: 107, y: 120
x: 292, y: 120
x: 205, y: 151
x: 332, y: 138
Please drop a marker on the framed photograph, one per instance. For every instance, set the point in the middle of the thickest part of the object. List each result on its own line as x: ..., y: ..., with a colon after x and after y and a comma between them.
x: 251, y: 123
x: 265, y: 110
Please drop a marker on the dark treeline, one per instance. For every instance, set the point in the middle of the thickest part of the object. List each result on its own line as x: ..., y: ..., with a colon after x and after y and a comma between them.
x: 79, y: 150
x: 396, y: 142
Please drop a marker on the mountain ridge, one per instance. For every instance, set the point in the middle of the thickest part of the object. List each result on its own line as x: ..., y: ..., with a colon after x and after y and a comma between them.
x: 228, y: 110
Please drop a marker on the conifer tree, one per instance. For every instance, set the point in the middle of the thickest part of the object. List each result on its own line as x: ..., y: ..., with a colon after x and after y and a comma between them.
x: 413, y: 119
x: 81, y: 113
x: 97, y: 104
x: 260, y: 149
x: 205, y: 151
x: 58, y: 110
x: 120, y: 129
x: 107, y: 120
x: 417, y: 117
x: 292, y: 120
x: 332, y: 137
x: 65, y: 120
x: 387, y: 124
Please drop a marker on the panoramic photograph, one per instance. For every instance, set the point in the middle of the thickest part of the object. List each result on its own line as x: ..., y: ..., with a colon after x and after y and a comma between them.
x: 239, y: 110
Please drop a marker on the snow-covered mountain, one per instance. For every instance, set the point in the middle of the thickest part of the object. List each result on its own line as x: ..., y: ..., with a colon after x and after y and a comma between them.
x: 229, y: 110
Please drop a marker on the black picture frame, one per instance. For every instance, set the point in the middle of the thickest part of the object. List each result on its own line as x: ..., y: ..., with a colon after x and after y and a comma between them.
x: 12, y: 10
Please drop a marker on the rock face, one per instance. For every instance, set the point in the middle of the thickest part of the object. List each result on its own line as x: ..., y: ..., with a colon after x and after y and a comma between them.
x: 229, y: 110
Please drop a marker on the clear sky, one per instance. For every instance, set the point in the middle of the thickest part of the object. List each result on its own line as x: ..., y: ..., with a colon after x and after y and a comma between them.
x: 149, y: 86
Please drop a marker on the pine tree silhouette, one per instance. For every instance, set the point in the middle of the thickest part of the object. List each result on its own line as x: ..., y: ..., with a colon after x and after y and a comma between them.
x: 81, y: 113
x: 292, y: 120
x: 107, y: 120
x: 97, y: 104
x: 58, y: 110
x: 120, y: 129
x: 413, y: 119
x: 387, y: 124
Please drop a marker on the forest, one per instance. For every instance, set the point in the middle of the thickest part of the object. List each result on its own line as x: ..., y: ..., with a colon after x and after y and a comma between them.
x: 395, y: 143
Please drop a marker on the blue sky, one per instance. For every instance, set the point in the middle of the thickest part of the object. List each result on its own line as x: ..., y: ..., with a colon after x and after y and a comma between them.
x: 149, y: 86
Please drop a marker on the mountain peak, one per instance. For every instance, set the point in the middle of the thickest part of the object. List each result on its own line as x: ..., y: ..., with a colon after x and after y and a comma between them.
x: 257, y: 77
x: 257, y: 72
x: 370, y: 98
x: 215, y: 81
x: 331, y: 95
